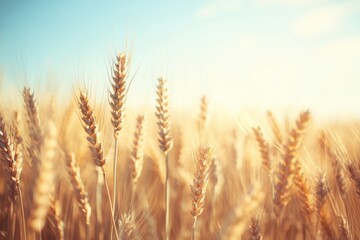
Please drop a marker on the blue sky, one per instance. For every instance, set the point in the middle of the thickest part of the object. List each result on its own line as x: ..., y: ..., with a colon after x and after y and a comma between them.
x: 256, y: 53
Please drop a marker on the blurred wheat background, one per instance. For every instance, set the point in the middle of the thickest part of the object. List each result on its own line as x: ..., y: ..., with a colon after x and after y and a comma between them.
x: 252, y: 131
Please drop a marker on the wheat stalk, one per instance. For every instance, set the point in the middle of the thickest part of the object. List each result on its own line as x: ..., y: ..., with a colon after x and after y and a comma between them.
x: 79, y: 189
x: 91, y: 128
x: 117, y: 104
x: 118, y: 94
x: 354, y: 174
x: 162, y: 114
x: 93, y: 135
x: 10, y: 162
x: 254, y: 229
x: 34, y: 126
x: 336, y: 162
x: 201, y: 178
x: 321, y: 192
x: 43, y: 182
x: 203, y: 116
x: 263, y: 148
x: 55, y: 219
x: 344, y: 229
x: 165, y: 142
x: 127, y: 228
x: 286, y: 166
x: 137, y: 152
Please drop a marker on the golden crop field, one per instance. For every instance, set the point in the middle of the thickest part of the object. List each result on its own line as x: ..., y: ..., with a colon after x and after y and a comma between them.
x: 78, y: 170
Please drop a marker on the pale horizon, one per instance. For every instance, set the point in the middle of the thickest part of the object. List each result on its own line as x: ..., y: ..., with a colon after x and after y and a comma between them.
x: 261, y: 54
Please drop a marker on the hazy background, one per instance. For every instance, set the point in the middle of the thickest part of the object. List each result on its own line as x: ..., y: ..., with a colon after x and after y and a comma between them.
x: 242, y: 54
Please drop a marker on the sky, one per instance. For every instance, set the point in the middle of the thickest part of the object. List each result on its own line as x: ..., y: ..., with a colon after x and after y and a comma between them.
x: 263, y: 54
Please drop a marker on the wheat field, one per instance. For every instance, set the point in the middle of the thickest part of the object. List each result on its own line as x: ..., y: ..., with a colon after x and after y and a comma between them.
x: 76, y: 171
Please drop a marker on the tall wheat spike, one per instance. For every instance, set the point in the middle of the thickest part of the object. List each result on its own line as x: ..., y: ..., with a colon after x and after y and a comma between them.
x: 354, y: 176
x: 344, y: 229
x: 286, y: 165
x: 79, y: 189
x: 91, y: 128
x: 55, y: 218
x: 335, y: 157
x: 96, y: 148
x: 203, y: 116
x: 137, y: 152
x: 254, y: 229
x: 204, y: 160
x: 10, y: 162
x: 263, y: 148
x: 44, y: 182
x: 165, y: 142
x: 162, y: 114
x: 321, y: 193
x: 33, y: 126
x: 118, y: 93
x: 117, y: 104
x: 304, y: 189
x: 126, y: 228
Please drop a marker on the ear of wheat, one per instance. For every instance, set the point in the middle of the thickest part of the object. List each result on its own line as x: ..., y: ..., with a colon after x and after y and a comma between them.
x: 79, y: 189
x: 118, y: 94
x: 44, y: 181
x: 33, y: 126
x: 10, y: 162
x: 203, y: 116
x: 162, y: 114
x: 137, y: 153
x: 254, y: 229
x: 200, y: 182
x: 165, y: 142
x: 263, y: 148
x: 91, y: 128
x: 286, y: 166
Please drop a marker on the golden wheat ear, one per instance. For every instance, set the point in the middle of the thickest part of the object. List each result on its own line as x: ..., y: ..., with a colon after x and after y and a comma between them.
x: 254, y: 229
x: 198, y: 188
x: 203, y: 116
x: 54, y: 217
x: 34, y: 127
x: 91, y: 129
x: 165, y: 142
x: 78, y: 186
x: 263, y: 148
x: 9, y: 162
x: 118, y: 93
x: 344, y: 230
x: 354, y: 174
x: 162, y: 114
x: 286, y: 167
x: 127, y: 227
x: 44, y: 181
x: 137, y: 152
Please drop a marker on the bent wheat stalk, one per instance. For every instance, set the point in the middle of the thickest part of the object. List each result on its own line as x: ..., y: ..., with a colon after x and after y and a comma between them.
x: 95, y: 146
